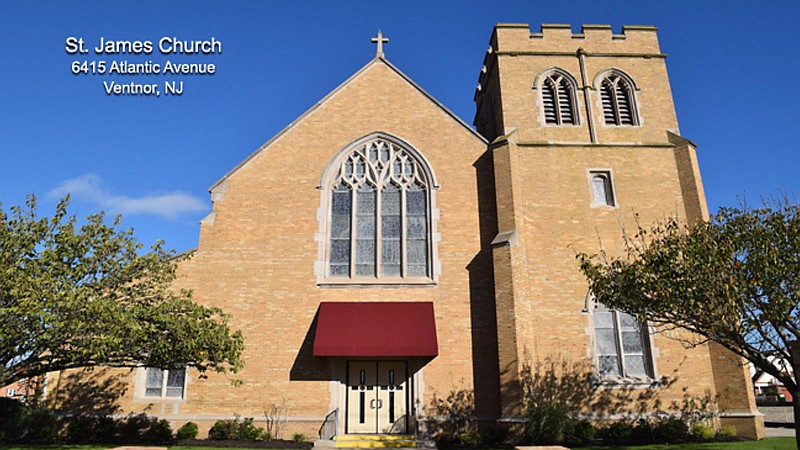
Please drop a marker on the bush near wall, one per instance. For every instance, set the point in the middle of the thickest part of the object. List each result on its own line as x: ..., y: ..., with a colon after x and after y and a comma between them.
x: 22, y: 423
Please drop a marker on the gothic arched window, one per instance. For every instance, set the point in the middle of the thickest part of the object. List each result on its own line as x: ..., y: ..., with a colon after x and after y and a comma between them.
x: 559, y: 105
x: 558, y: 99
x: 618, y: 100
x: 379, y: 213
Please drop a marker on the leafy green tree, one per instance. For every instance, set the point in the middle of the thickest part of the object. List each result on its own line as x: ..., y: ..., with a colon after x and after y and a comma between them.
x: 734, y: 279
x: 81, y: 295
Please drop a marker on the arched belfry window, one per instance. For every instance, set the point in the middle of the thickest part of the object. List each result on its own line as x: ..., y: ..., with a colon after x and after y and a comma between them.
x: 618, y: 99
x: 559, y: 104
x: 379, y: 213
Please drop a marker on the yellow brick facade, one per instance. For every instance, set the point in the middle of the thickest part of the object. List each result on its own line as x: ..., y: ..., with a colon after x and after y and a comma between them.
x: 545, y: 201
x: 512, y: 209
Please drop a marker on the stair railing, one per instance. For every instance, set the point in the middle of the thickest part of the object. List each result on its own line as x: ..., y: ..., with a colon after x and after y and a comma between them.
x: 329, y: 426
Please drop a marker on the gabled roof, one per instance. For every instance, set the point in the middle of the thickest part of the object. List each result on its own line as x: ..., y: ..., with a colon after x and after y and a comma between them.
x: 376, y: 60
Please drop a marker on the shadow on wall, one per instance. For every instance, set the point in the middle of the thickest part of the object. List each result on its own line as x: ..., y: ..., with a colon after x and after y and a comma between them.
x: 573, y: 387
x: 90, y: 391
x: 306, y: 367
x: 483, y: 316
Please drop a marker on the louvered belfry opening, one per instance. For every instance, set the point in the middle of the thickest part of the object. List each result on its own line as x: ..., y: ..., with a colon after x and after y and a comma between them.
x: 558, y: 99
x: 617, y: 99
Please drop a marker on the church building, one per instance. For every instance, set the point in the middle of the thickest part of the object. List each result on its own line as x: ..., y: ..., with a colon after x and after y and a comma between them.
x: 380, y: 253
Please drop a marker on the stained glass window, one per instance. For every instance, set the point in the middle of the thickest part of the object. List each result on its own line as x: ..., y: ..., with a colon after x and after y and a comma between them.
x: 379, y: 215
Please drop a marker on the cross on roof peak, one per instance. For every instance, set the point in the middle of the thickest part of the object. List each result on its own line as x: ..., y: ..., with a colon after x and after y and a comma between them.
x: 380, y: 40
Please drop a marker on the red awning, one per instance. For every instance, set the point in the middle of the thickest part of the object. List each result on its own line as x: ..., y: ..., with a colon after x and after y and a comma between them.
x: 376, y: 329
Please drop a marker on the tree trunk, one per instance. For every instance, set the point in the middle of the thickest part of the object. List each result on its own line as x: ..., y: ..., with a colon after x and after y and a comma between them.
x: 794, y: 354
x: 796, y: 411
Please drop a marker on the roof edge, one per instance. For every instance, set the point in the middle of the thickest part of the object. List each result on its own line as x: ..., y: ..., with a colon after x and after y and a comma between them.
x: 328, y: 96
x: 434, y: 101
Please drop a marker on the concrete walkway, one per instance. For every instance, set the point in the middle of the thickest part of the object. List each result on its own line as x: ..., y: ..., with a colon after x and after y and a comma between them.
x: 779, y: 431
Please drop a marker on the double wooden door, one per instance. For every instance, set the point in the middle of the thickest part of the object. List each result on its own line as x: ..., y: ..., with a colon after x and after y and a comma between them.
x: 377, y: 397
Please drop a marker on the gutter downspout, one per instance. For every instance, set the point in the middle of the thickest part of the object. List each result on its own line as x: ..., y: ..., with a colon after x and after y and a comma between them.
x: 581, y: 53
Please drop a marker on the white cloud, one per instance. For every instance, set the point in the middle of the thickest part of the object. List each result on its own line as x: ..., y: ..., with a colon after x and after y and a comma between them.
x: 90, y: 188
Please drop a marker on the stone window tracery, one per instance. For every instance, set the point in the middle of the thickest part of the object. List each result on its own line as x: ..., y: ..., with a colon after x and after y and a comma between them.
x: 379, y: 215
x: 558, y: 99
x: 618, y: 100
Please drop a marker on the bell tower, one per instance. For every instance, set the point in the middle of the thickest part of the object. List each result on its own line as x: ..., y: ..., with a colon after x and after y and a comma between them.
x: 585, y: 143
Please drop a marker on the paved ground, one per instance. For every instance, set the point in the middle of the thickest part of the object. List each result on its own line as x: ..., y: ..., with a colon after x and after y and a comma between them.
x: 777, y: 414
x: 778, y: 419
x: 779, y: 432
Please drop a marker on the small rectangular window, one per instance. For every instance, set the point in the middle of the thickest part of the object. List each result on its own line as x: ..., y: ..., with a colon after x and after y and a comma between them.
x: 160, y: 383
x: 602, y: 189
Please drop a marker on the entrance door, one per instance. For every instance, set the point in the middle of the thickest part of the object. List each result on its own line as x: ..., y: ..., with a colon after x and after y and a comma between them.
x: 377, y: 393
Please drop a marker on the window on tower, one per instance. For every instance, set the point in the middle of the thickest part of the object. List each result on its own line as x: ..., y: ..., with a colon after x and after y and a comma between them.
x: 622, y: 344
x: 618, y: 99
x: 602, y: 189
x: 558, y: 100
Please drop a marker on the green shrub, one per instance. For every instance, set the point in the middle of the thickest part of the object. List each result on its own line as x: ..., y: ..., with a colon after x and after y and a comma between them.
x: 643, y: 431
x: 494, y: 435
x: 12, y: 418
x: 703, y: 431
x: 80, y: 429
x: 619, y: 431
x: 41, y: 426
x: 457, y: 417
x: 471, y: 438
x: 223, y: 430
x: 237, y: 430
x: 187, y: 431
x: 673, y: 429
x: 585, y: 431
x: 727, y: 433
x: 548, y: 424
x: 159, y: 432
x: 132, y: 427
x: 299, y: 437
x: 25, y: 423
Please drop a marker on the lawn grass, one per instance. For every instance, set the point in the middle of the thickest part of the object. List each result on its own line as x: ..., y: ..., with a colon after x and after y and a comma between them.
x: 778, y: 443
x: 211, y: 448
x: 53, y: 447
x: 105, y: 447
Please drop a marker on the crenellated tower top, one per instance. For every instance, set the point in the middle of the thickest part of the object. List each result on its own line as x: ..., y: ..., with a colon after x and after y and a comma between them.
x: 510, y: 94
x: 518, y: 38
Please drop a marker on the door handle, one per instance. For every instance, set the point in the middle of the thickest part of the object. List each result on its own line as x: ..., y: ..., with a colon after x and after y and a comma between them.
x: 380, y: 403
x: 372, y: 404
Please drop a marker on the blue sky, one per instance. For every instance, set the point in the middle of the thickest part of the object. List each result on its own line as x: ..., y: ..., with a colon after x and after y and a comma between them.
x: 733, y: 68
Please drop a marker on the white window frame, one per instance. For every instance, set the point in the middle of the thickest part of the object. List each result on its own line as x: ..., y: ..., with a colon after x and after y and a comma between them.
x: 611, y: 192
x: 650, y: 352
x: 141, y: 385
x: 331, y: 176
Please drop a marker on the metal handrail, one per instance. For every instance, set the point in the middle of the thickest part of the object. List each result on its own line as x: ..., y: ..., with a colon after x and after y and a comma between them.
x: 330, y: 425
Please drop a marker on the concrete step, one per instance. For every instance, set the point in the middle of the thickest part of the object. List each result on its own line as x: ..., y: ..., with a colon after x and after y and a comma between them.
x: 375, y: 441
